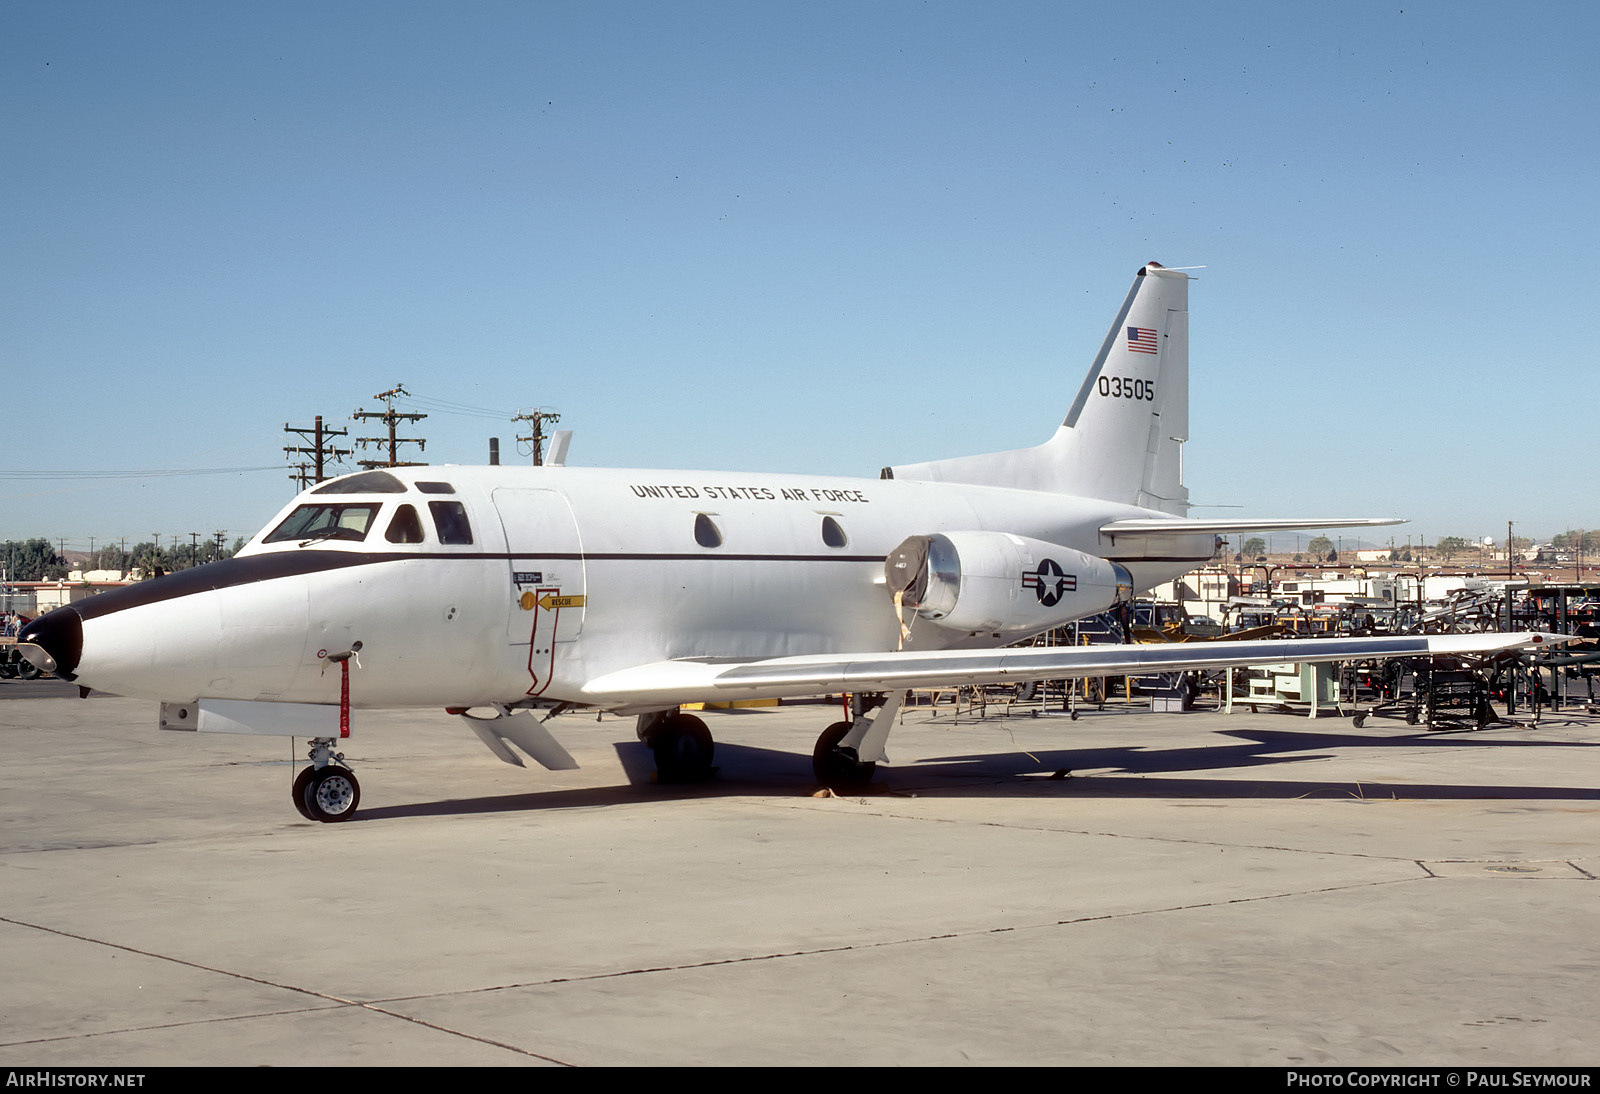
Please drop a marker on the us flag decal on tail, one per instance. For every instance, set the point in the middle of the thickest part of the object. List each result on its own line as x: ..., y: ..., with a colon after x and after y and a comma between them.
x: 1141, y: 340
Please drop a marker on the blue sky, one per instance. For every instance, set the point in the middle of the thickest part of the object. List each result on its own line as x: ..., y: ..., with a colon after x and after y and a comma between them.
x: 813, y: 237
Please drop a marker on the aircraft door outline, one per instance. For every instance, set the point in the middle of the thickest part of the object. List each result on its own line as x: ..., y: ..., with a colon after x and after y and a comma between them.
x: 546, y: 598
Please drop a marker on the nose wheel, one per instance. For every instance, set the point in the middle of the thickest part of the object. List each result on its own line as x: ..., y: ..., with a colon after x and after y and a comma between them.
x: 329, y: 792
x: 332, y: 794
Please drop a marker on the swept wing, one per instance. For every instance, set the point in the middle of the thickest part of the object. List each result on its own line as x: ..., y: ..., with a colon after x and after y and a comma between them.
x: 713, y: 680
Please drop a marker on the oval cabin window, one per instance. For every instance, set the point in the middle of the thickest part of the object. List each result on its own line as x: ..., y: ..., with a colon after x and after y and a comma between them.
x: 706, y: 533
x: 832, y: 534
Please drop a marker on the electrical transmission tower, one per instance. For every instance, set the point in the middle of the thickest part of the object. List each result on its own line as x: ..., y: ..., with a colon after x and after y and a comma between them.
x: 535, y: 439
x: 321, y: 450
x: 390, y: 417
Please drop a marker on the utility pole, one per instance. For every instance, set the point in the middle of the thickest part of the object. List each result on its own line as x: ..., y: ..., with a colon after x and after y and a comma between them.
x: 321, y: 449
x: 535, y: 438
x: 389, y: 416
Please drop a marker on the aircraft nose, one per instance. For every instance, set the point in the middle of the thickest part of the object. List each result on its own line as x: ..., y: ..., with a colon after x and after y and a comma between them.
x: 54, y: 642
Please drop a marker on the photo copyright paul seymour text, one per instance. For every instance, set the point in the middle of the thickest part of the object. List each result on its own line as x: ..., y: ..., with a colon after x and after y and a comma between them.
x: 1466, y: 1079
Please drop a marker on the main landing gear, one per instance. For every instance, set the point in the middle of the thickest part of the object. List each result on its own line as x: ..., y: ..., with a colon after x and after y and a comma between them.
x: 327, y: 790
x: 838, y: 766
x: 847, y: 753
x: 846, y: 756
x: 682, y: 745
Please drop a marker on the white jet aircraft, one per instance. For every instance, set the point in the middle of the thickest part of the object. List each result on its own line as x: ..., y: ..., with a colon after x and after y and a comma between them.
x: 513, y: 590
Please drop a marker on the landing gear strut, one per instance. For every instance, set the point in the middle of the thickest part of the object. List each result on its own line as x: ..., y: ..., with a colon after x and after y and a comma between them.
x: 326, y: 791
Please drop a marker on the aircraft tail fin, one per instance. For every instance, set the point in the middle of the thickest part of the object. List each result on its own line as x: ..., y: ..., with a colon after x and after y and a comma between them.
x: 1122, y: 440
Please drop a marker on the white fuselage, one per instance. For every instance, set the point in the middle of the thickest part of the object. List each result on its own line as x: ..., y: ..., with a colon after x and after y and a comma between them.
x: 571, y: 574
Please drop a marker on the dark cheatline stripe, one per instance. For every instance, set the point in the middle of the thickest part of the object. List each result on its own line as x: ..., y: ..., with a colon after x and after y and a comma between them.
x: 266, y: 567
x: 220, y: 575
x: 253, y: 568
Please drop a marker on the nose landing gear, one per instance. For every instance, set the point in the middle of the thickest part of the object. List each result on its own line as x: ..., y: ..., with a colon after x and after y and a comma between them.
x: 326, y: 791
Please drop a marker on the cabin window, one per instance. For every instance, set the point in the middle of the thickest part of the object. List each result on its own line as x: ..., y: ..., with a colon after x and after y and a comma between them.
x: 706, y: 533
x: 404, y: 526
x: 832, y: 534
x: 436, y: 488
x: 367, y: 482
x: 450, y: 521
x: 309, y: 522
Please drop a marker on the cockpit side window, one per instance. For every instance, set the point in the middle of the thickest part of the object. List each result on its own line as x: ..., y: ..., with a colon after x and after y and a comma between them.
x: 404, y: 526
x: 450, y: 521
x: 309, y: 522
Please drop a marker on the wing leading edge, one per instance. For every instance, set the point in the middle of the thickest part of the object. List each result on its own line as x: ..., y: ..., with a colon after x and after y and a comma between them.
x: 1227, y: 526
x: 673, y: 682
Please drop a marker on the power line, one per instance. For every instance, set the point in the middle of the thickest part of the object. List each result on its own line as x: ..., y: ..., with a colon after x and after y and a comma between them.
x: 444, y: 406
x: 154, y: 473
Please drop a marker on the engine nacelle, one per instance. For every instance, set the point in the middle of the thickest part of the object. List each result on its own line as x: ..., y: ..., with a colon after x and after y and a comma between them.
x: 998, y: 582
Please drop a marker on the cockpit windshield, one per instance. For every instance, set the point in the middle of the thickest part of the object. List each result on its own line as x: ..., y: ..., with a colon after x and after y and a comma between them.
x: 349, y: 521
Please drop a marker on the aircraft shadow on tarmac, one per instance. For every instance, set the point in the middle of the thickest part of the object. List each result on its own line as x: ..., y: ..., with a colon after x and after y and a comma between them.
x: 1135, y: 771
x: 1132, y: 771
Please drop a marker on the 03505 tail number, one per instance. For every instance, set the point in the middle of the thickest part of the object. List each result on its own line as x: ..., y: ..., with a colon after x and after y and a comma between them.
x: 1122, y: 387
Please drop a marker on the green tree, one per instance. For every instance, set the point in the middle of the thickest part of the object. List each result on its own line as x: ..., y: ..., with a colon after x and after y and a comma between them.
x: 31, y: 560
x: 106, y: 558
x: 1451, y: 545
x: 1254, y: 546
x: 149, y: 557
x: 1321, y: 545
